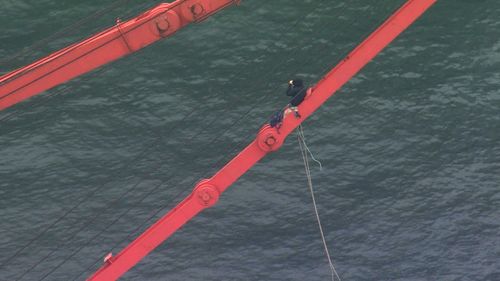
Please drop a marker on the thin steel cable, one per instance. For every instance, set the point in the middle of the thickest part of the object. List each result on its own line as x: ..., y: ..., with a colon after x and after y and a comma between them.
x: 46, y: 98
x: 13, y: 113
x: 253, y: 107
x: 302, y: 145
x: 78, y: 57
x: 304, y: 151
x: 237, y: 144
x: 162, y: 207
x: 154, y: 214
x: 365, y: 35
x: 131, y: 12
x: 82, y: 201
x: 127, y: 14
x: 92, y: 193
x: 76, y: 46
x: 341, y: 55
x: 134, y: 12
x: 152, y: 191
x: 131, y: 234
x: 205, y: 128
x: 114, y: 202
x: 71, y: 29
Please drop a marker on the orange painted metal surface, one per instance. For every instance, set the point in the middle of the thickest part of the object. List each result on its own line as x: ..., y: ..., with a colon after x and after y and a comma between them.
x: 207, y: 192
x: 118, y: 41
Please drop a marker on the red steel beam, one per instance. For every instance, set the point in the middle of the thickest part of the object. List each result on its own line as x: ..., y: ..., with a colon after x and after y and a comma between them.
x: 118, y: 41
x: 207, y: 192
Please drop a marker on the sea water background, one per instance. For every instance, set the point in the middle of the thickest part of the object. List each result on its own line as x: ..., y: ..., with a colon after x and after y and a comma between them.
x: 410, y: 147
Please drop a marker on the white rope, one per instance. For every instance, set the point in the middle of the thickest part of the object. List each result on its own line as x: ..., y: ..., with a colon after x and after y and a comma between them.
x: 303, y: 150
x: 302, y: 139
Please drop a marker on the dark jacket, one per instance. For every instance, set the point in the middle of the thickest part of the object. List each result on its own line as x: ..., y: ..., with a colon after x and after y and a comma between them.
x: 297, y: 92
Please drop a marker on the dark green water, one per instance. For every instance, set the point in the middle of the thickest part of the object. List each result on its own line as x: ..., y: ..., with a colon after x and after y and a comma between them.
x: 410, y: 147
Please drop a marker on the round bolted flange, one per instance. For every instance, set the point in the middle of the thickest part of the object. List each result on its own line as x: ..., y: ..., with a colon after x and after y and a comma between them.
x: 166, y: 23
x: 197, y: 10
x: 162, y: 23
x: 206, y: 194
x: 268, y: 139
x: 193, y: 10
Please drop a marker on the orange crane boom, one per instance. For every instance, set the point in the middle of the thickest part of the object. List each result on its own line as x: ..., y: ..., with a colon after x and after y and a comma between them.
x: 109, y: 45
x: 206, y: 193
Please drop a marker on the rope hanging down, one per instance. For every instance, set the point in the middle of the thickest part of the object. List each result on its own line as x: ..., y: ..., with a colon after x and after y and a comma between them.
x: 93, y: 217
x: 304, y: 149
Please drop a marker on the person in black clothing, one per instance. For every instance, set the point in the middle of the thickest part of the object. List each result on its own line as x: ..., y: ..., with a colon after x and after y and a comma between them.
x: 297, y: 91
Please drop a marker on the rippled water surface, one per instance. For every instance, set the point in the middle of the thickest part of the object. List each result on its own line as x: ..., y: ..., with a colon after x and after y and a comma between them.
x: 410, y: 147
